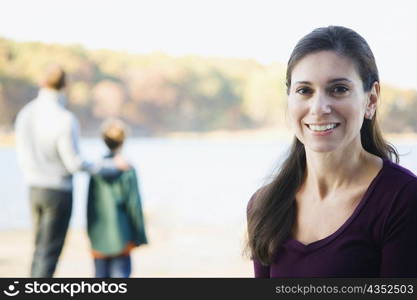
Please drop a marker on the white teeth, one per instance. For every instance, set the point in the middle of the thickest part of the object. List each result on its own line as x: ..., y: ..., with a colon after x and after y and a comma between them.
x: 322, y: 127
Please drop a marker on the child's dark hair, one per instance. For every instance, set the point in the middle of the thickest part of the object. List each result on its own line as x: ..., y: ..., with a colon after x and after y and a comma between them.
x: 114, y: 132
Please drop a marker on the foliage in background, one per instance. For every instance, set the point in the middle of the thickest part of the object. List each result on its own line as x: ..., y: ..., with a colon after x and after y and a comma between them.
x: 157, y: 93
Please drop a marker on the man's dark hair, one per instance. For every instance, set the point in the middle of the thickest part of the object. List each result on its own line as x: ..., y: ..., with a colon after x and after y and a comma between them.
x: 54, y: 77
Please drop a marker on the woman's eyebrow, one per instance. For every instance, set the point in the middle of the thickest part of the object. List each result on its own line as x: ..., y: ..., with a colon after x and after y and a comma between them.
x: 330, y: 81
x: 303, y: 82
x: 339, y: 79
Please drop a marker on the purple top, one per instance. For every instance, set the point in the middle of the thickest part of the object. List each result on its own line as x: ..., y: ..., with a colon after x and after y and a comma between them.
x: 378, y: 240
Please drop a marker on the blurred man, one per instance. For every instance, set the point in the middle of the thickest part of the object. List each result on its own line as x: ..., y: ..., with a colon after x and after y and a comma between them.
x: 47, y: 137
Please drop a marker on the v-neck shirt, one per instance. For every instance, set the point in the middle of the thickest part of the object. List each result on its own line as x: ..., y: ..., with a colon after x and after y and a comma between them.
x: 379, y: 239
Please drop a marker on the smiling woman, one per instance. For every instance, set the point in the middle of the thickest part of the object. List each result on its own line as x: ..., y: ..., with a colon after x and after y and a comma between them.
x: 340, y: 206
x: 331, y: 103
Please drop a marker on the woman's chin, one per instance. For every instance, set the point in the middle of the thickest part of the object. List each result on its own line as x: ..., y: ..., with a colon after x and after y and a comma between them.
x: 321, y: 147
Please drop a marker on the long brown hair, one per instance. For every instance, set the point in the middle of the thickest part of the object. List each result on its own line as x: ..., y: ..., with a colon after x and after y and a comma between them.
x: 271, y: 212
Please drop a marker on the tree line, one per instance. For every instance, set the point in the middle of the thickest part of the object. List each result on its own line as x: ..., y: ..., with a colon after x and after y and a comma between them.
x: 157, y: 93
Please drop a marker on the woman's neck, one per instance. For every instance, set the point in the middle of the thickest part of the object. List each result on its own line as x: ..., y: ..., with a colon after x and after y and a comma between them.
x: 338, y: 170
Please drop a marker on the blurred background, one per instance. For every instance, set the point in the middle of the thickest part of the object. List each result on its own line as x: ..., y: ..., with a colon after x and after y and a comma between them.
x: 202, y: 85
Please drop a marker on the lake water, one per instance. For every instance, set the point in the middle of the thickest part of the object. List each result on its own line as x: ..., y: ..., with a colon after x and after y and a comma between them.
x: 195, y: 181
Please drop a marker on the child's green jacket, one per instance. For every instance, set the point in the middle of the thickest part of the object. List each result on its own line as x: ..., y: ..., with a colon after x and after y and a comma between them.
x: 114, y: 213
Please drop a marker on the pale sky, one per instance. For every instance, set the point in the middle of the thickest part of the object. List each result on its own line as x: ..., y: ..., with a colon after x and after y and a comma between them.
x: 260, y: 29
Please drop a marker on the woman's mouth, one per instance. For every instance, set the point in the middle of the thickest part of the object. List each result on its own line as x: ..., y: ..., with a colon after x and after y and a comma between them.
x: 322, y: 129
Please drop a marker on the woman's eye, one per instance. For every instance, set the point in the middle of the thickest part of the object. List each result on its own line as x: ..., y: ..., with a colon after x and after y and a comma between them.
x: 339, y: 90
x: 303, y: 91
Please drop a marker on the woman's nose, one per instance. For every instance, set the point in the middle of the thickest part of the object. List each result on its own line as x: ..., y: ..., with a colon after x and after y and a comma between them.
x: 320, y: 104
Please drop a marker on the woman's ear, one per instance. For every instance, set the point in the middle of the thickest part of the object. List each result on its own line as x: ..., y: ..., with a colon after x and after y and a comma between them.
x: 373, y: 97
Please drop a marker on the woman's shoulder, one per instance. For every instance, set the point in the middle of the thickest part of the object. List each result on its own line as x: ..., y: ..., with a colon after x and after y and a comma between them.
x: 397, y: 185
x: 397, y: 176
x: 399, y: 170
x: 399, y: 202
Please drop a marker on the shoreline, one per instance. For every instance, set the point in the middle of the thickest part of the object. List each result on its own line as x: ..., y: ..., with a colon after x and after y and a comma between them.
x: 264, y: 134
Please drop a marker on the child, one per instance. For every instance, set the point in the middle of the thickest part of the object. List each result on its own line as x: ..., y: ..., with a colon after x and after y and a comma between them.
x: 114, y: 212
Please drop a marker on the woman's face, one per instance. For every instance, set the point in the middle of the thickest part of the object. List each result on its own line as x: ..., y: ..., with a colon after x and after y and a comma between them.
x: 327, y: 103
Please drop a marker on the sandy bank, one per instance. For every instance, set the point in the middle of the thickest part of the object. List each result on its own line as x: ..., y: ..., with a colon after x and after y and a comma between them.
x: 204, y: 251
